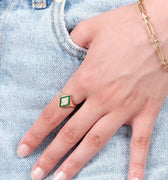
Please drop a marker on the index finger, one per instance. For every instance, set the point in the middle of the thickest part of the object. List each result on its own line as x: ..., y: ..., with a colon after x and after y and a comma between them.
x: 50, y: 118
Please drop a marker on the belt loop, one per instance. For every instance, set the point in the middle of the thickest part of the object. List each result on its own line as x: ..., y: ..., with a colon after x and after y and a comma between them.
x: 39, y: 4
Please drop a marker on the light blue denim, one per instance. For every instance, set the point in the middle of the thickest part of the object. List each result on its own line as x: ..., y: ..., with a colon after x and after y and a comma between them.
x: 37, y: 59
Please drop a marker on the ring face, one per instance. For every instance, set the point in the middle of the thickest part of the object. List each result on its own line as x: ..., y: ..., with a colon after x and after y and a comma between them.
x: 65, y: 101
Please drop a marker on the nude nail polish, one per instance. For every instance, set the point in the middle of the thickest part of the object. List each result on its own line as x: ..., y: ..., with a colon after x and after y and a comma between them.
x: 60, y: 176
x: 37, y: 174
x: 23, y: 150
x: 135, y: 178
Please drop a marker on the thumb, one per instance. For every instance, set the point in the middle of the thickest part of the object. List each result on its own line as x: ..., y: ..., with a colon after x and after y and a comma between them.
x: 82, y: 35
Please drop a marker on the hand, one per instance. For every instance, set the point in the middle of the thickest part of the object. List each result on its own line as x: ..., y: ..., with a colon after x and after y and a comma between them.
x: 121, y: 81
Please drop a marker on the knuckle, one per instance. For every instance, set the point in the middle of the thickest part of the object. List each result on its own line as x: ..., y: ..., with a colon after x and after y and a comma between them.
x: 73, y: 164
x: 48, y: 116
x: 140, y: 142
x: 95, y: 141
x: 103, y: 99
x: 34, y: 137
x: 81, y: 25
x: 48, y: 159
x: 139, y: 165
x: 69, y: 134
x: 85, y: 78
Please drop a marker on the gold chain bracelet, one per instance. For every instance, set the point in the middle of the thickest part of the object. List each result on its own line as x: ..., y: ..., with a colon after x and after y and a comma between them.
x: 152, y: 34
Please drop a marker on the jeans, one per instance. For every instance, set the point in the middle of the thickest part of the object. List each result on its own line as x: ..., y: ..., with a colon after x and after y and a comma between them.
x: 37, y: 59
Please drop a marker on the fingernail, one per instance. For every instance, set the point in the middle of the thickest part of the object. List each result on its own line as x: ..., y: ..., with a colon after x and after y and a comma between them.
x: 37, y: 174
x: 60, y: 176
x: 23, y: 150
x: 135, y: 178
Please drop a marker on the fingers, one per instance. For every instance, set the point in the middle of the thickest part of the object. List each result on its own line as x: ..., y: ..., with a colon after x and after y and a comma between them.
x: 96, y: 138
x: 139, y: 150
x: 50, y: 118
x: 142, y: 129
x: 68, y: 136
x: 82, y: 34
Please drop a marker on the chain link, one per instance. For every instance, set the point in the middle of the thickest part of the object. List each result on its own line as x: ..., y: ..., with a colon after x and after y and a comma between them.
x: 152, y: 34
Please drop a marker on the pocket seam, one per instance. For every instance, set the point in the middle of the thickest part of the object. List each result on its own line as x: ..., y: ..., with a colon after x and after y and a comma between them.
x: 61, y: 29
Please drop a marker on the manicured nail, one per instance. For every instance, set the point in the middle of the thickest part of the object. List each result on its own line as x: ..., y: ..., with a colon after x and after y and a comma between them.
x: 37, y: 174
x: 23, y: 150
x: 60, y: 176
x: 135, y: 178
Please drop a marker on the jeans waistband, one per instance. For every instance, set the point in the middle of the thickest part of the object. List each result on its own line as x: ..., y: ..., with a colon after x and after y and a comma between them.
x: 39, y: 4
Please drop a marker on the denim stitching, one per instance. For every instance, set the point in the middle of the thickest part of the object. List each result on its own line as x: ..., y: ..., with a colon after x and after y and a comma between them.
x: 64, y: 36
x: 52, y: 17
x: 81, y: 51
x: 2, y: 31
x: 3, y: 6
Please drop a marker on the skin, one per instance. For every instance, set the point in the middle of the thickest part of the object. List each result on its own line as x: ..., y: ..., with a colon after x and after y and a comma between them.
x: 123, y: 82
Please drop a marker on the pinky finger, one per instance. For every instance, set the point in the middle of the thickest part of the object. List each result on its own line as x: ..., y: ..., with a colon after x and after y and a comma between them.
x: 92, y: 143
x: 141, y: 136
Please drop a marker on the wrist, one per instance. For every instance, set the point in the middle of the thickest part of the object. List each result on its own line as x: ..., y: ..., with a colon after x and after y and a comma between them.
x: 156, y: 24
x: 157, y: 12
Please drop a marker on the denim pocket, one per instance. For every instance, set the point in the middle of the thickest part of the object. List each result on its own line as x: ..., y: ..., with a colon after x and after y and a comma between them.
x: 61, y: 32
